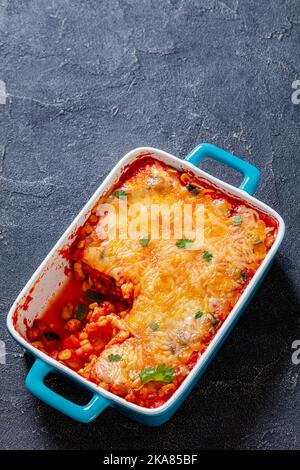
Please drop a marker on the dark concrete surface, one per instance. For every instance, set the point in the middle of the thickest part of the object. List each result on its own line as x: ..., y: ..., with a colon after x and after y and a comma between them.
x: 86, y: 81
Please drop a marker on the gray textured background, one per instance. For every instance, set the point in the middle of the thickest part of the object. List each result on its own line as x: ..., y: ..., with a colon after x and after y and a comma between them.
x: 86, y: 82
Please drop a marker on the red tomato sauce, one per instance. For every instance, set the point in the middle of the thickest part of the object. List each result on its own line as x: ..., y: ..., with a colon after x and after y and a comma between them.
x: 69, y: 330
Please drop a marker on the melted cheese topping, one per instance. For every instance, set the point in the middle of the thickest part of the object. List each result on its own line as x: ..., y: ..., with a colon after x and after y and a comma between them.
x: 169, y: 284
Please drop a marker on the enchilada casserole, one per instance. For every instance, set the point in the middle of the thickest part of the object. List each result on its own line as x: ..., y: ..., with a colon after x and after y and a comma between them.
x: 137, y: 313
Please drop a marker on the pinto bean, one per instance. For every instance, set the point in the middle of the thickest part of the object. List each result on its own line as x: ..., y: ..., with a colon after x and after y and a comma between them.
x: 73, y: 325
x: 33, y: 334
x: 84, y: 351
x: 67, y: 311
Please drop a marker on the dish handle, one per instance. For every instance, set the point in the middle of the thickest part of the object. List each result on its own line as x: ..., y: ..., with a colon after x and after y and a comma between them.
x: 250, y: 172
x: 35, y: 384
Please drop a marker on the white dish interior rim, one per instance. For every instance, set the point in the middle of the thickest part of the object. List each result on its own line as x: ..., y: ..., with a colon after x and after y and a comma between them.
x: 103, y: 188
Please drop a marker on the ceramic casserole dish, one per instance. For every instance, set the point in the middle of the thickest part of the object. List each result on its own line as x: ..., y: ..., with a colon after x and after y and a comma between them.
x: 53, y: 273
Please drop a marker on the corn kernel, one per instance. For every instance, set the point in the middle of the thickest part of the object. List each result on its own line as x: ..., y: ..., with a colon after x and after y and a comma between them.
x: 64, y: 355
x: 93, y: 305
x: 83, y: 335
x: 78, y: 271
x: 89, y: 315
x: 185, y: 178
x: 85, y: 341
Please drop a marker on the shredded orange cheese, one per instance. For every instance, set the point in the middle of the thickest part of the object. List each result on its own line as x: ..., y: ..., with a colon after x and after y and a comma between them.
x: 169, y: 284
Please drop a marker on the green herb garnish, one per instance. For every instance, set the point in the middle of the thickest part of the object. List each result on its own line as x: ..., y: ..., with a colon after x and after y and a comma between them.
x: 237, y: 220
x: 93, y: 296
x: 154, y: 326
x: 114, y: 357
x: 121, y: 193
x: 144, y: 241
x: 244, y: 275
x: 183, y: 243
x: 81, y: 311
x: 207, y: 256
x: 198, y: 315
x: 162, y: 373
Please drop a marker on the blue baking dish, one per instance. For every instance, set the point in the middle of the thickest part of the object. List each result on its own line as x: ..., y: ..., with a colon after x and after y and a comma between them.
x: 52, y: 274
